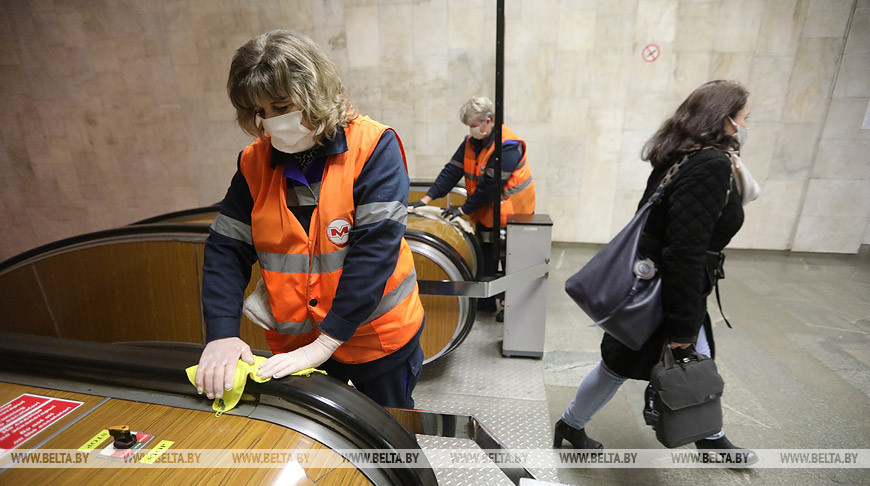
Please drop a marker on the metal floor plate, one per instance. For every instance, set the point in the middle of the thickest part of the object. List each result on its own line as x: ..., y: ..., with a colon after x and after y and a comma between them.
x: 505, y: 394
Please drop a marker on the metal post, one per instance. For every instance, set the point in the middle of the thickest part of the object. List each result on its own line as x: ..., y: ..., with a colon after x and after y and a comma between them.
x: 499, y: 119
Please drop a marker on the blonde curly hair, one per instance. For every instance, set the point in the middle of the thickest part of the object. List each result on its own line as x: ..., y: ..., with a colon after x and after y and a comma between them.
x: 284, y: 64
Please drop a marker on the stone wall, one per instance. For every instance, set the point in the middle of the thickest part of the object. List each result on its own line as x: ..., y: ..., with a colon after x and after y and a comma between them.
x: 114, y: 111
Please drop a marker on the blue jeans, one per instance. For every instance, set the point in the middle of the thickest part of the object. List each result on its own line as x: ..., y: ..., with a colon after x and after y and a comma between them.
x: 601, y: 384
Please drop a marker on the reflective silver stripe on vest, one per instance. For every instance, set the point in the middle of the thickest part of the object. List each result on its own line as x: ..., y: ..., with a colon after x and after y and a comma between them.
x: 291, y: 328
x: 395, y: 296
x: 504, y: 175
x: 303, y: 195
x: 329, y: 262
x: 293, y: 263
x: 456, y: 163
x: 513, y: 190
x: 232, y: 228
x: 379, y: 211
x: 283, y: 263
x: 471, y: 177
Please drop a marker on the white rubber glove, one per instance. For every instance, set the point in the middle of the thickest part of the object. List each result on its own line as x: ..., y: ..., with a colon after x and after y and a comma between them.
x: 257, y: 308
x: 308, y: 356
x: 217, y: 365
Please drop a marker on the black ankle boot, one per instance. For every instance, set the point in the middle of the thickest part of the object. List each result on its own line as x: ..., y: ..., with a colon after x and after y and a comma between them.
x: 577, y: 437
x: 729, y: 454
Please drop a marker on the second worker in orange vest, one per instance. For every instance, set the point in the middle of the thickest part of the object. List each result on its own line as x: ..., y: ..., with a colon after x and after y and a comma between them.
x: 473, y: 160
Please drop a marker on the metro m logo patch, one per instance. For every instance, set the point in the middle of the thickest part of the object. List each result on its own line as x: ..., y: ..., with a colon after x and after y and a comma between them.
x: 338, y: 231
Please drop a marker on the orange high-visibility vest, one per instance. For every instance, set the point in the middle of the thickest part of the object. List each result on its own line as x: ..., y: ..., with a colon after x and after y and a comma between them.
x: 518, y: 196
x: 301, y: 271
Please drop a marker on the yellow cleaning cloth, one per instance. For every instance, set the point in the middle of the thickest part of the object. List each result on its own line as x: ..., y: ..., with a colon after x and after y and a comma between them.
x: 243, y: 371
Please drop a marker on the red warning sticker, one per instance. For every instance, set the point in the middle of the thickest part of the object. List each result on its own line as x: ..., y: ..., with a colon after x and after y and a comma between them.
x: 28, y: 415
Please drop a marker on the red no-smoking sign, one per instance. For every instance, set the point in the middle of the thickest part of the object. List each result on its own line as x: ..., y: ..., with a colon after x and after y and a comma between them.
x: 651, y: 52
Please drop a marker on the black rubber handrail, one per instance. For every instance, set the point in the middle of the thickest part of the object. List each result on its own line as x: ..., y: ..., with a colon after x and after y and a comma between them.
x: 181, y: 229
x: 163, y: 218
x: 134, y: 366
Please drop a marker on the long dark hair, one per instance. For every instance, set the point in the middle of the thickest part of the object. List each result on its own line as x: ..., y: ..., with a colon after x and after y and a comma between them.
x: 697, y: 123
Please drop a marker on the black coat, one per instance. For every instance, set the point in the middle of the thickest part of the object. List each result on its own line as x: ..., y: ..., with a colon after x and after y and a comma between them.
x: 697, y: 213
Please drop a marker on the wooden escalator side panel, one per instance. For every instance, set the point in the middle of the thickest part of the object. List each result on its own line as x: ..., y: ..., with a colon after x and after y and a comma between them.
x: 189, y: 430
x: 23, y: 305
x: 443, y: 315
x: 138, y: 291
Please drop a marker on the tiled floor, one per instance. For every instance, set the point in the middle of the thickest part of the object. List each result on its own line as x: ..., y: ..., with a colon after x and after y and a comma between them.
x: 796, y: 367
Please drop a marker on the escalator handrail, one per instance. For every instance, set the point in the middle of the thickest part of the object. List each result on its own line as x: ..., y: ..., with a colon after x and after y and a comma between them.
x: 164, y: 218
x: 326, y: 398
x: 180, y: 231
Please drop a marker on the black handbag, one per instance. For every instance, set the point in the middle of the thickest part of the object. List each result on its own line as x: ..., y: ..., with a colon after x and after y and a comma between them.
x: 619, y: 288
x: 682, y: 400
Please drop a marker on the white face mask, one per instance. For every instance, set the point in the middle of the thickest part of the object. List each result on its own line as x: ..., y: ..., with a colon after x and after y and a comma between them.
x: 742, y: 132
x: 287, y: 133
x: 479, y: 132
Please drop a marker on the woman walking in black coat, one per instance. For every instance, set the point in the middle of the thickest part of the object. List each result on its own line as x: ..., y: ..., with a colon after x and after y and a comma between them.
x: 700, y: 212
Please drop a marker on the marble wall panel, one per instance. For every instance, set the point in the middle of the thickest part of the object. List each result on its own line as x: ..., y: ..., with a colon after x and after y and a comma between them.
x: 770, y: 220
x: 829, y: 234
x: 827, y: 18
x: 795, y: 147
x: 853, y: 78
x: 564, y: 177
x: 101, y: 81
x: 363, y: 36
x: 808, y: 93
x: 837, y: 198
x: 738, y: 24
x: 655, y: 21
x: 617, y: 7
x: 571, y: 77
x: 535, y: 83
x: 597, y: 201
x: 859, y: 33
x: 696, y: 27
x: 781, y: 24
x: 646, y: 112
x: 732, y: 65
x: 430, y: 24
x: 576, y: 30
x: 463, y: 28
x: 537, y: 25
x: 569, y: 117
x: 845, y: 117
x: 691, y: 69
x: 614, y: 34
x: 843, y: 159
x: 761, y: 150
x: 396, y: 32
x: 767, y: 86
x: 611, y: 79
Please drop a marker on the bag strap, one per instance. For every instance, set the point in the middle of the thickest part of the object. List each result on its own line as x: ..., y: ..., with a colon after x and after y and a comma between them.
x: 668, y: 356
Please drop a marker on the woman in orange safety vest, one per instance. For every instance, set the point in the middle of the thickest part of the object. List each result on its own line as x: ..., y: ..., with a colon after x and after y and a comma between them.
x: 319, y: 200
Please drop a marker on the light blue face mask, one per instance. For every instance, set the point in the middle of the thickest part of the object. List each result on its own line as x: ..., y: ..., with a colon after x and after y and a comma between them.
x: 742, y: 132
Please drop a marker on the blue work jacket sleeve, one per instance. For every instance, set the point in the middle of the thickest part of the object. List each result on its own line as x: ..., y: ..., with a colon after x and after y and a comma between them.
x: 228, y: 257
x: 511, y: 154
x: 380, y: 196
